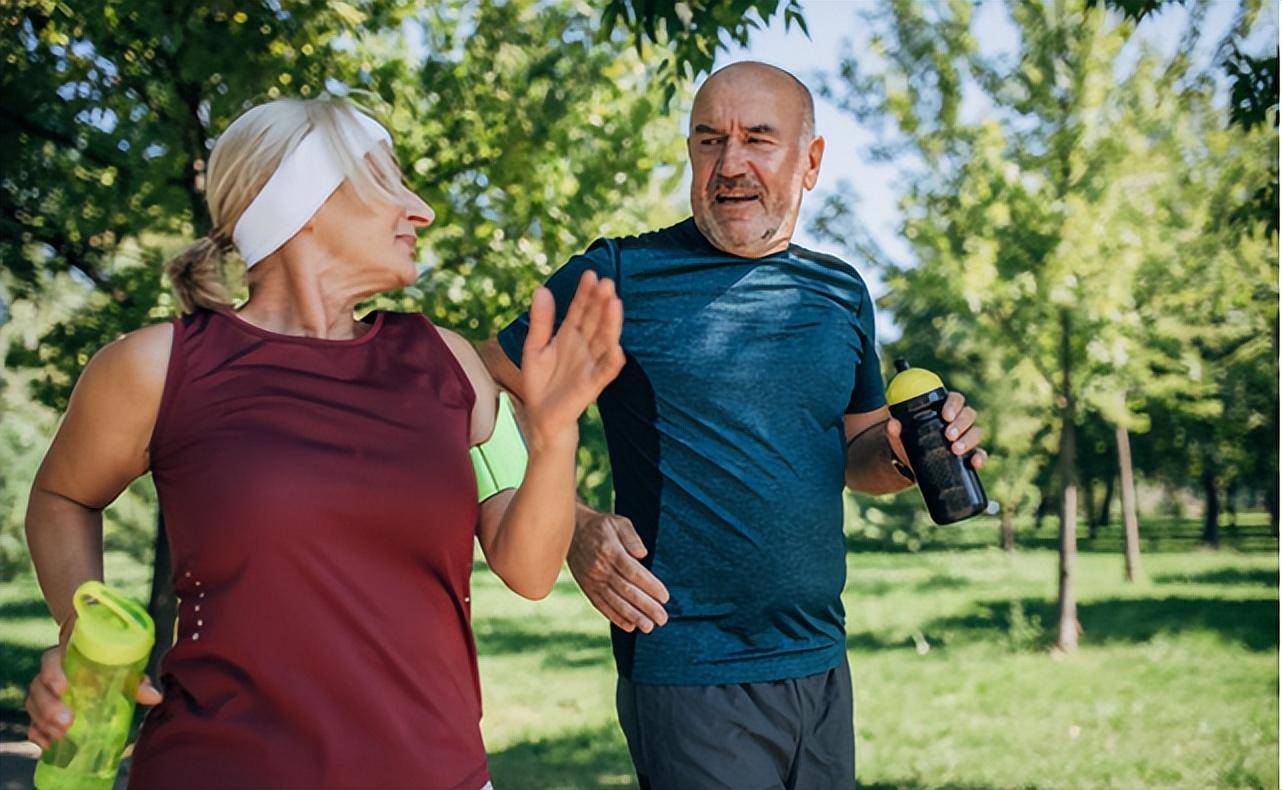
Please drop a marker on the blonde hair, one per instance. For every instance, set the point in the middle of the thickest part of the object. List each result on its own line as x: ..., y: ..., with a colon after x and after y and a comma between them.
x: 245, y: 157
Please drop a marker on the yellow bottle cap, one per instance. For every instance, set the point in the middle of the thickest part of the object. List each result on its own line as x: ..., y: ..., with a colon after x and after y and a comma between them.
x: 910, y: 383
x: 110, y: 628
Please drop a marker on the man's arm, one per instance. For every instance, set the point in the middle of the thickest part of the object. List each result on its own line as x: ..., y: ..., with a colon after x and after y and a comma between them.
x: 606, y: 550
x: 873, y: 445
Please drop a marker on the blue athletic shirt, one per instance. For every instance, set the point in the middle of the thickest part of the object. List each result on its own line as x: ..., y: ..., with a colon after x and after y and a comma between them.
x: 727, y: 447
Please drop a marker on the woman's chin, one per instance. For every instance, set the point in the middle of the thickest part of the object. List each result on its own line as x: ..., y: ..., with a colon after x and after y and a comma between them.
x: 404, y: 274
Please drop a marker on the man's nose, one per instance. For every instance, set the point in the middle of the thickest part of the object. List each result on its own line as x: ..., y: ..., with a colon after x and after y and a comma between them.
x: 734, y: 159
x: 417, y: 210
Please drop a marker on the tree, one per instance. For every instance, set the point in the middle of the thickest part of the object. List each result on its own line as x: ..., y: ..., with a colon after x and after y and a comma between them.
x: 529, y: 140
x: 1040, y: 228
x: 108, y: 116
x: 1253, y: 104
x: 687, y: 35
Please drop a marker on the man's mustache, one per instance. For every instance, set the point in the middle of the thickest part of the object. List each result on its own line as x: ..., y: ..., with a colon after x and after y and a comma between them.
x: 737, y: 186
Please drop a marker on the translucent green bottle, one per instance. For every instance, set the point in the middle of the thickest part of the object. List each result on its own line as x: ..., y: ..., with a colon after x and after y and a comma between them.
x: 104, y: 662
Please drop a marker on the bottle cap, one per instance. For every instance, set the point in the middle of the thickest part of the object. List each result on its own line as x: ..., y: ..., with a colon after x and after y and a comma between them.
x: 110, y: 628
x: 910, y: 383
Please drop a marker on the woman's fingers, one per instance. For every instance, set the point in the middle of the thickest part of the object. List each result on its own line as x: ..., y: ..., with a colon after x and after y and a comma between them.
x: 47, y: 711
x: 598, y: 299
x: 148, y: 694
x: 579, y: 304
x: 606, y: 335
x: 51, y: 670
x: 542, y: 316
x: 39, y: 737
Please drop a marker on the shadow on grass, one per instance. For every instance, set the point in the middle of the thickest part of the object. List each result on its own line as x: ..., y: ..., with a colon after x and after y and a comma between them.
x: 1028, y: 623
x: 559, y: 648
x: 1264, y: 577
x: 587, y: 758
x: 1157, y: 535
x: 916, y: 784
x: 24, y: 608
x: 19, y: 665
x: 943, y: 581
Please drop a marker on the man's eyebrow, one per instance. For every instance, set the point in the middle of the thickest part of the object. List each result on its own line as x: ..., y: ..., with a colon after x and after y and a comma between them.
x: 761, y: 128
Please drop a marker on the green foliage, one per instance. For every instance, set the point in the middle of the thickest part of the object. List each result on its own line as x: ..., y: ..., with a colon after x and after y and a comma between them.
x: 529, y: 130
x: 689, y: 33
x: 1082, y: 223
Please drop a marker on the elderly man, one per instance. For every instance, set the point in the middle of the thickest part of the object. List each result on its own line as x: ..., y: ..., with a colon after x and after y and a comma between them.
x: 751, y: 391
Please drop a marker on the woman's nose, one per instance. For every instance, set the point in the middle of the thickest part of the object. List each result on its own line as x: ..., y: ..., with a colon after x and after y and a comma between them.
x: 417, y: 210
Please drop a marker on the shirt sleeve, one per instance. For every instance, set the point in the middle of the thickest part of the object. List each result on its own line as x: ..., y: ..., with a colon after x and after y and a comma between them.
x: 870, y: 390
x: 601, y: 257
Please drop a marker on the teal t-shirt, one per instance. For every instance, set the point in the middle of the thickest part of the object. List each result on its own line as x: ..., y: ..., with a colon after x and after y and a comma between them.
x: 727, y: 447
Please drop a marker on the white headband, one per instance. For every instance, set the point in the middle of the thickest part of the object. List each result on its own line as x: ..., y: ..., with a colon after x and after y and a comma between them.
x: 305, y: 179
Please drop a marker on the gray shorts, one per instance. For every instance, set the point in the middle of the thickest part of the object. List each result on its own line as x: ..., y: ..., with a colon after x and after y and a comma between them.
x: 796, y: 734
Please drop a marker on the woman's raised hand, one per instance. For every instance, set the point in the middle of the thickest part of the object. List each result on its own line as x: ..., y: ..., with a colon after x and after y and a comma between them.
x: 563, y: 373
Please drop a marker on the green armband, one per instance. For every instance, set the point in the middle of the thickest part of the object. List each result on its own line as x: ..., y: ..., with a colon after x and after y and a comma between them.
x: 499, y: 463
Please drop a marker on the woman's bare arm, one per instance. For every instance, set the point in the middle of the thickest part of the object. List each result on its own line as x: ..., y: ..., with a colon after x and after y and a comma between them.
x: 99, y: 449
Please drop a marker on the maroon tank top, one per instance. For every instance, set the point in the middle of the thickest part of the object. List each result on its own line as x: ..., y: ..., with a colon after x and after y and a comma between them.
x: 320, y: 506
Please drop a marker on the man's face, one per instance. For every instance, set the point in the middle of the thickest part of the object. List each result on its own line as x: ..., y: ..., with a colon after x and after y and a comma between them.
x: 750, y: 162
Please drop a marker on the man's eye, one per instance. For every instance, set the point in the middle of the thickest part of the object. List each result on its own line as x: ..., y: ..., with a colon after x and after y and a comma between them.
x: 713, y: 140
x: 755, y: 140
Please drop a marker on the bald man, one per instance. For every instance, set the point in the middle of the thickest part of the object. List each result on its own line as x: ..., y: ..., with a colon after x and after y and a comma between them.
x: 751, y: 392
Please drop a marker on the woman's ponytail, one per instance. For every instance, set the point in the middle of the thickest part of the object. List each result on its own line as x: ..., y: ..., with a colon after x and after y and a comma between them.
x: 196, y: 274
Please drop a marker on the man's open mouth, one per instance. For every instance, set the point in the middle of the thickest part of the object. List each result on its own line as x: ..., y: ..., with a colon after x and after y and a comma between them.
x: 736, y: 198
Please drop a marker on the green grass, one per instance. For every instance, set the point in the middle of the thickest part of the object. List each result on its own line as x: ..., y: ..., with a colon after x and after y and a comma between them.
x: 1175, y: 685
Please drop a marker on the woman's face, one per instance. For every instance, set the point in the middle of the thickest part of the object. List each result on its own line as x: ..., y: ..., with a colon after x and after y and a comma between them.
x: 376, y: 239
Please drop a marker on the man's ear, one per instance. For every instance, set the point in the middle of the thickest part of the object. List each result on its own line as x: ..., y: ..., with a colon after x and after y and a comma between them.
x: 814, y: 156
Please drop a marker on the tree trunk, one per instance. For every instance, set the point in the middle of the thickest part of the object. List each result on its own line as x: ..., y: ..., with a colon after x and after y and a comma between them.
x: 1130, y: 519
x: 1211, y: 519
x: 1008, y: 528
x: 1088, y: 503
x: 1068, y: 625
x: 1105, y: 506
x: 162, y: 606
x: 1043, y: 507
x: 1271, y: 502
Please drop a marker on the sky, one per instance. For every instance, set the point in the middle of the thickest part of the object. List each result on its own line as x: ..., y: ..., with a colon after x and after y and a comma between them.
x: 837, y: 26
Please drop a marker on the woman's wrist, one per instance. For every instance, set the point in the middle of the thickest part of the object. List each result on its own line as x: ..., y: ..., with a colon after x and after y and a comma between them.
x: 556, y: 442
x: 65, y: 628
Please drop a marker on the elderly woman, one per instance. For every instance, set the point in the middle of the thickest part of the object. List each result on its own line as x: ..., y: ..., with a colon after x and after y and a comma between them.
x: 314, y: 475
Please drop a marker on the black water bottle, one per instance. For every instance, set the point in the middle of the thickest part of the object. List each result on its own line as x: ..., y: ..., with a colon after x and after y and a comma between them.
x: 947, y: 481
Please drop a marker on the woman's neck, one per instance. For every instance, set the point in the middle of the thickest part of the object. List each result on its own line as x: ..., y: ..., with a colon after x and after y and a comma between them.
x: 291, y: 294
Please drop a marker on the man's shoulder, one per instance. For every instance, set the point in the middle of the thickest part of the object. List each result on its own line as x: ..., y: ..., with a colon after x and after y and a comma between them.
x: 838, y: 266
x: 682, y: 235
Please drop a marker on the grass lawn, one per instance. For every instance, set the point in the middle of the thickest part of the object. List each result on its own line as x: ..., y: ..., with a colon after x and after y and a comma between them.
x: 1176, y: 683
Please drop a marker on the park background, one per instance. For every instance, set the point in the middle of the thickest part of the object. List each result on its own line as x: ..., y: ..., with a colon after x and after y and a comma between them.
x: 1067, y: 209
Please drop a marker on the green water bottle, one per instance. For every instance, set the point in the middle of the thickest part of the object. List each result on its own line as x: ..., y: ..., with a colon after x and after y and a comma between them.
x: 104, y: 661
